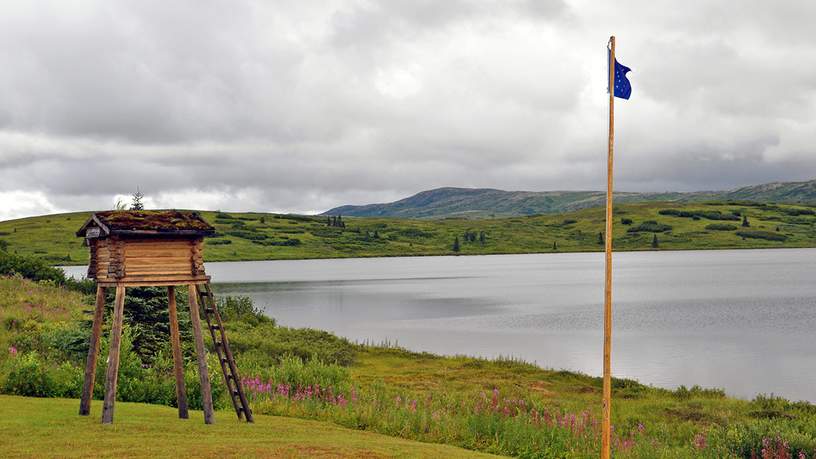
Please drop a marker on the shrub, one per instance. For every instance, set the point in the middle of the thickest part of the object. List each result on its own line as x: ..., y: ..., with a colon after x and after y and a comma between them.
x: 650, y: 226
x: 626, y: 221
x: 249, y: 235
x: 233, y: 308
x: 794, y: 212
x: 758, y: 234
x: 219, y: 242
x: 720, y: 227
x: 292, y: 242
x: 28, y: 376
x: 30, y: 268
x: 698, y: 214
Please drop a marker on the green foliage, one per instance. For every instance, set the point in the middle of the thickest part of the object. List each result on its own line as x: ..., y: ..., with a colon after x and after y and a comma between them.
x: 219, y: 241
x: 650, y: 226
x: 720, y: 227
x: 626, y: 221
x: 241, y: 308
x: 27, y: 375
x: 707, y: 214
x: 30, y: 268
x: 268, y: 343
x: 758, y: 234
x: 456, y: 247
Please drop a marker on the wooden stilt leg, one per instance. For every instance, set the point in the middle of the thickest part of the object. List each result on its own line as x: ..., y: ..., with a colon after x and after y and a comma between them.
x: 112, y: 374
x: 93, y: 352
x: 178, y: 362
x: 206, y: 391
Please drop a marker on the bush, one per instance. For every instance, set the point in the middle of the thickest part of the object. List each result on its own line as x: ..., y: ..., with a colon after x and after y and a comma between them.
x: 234, y: 308
x: 28, y: 375
x: 697, y: 214
x: 758, y: 234
x: 795, y: 212
x: 626, y: 221
x: 249, y: 235
x: 219, y: 241
x: 720, y: 227
x: 268, y: 344
x: 649, y: 226
x: 29, y: 267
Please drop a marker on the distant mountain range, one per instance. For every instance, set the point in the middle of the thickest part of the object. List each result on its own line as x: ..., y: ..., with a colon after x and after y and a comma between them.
x: 487, y: 202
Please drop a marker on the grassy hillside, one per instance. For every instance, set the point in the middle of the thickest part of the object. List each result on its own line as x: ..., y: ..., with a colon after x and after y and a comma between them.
x: 258, y: 236
x: 486, y: 202
x: 37, y: 427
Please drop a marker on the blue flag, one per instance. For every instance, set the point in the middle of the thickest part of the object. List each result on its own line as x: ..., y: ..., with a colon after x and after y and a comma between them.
x: 623, y: 89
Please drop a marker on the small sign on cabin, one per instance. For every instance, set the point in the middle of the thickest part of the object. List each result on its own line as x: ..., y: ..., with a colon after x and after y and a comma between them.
x: 145, y: 247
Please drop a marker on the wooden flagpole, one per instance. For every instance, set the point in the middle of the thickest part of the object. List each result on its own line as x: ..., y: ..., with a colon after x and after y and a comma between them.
x: 607, y: 352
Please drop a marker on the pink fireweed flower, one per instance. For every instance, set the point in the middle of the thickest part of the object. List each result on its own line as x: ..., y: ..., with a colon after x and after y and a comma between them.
x: 700, y: 441
x: 397, y: 401
x: 12, y: 351
x: 413, y: 406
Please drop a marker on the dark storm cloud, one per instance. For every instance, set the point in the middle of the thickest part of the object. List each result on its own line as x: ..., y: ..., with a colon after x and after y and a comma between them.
x: 301, y: 106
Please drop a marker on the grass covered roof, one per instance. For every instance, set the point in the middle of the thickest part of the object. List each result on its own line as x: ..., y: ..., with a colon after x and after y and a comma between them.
x: 170, y: 222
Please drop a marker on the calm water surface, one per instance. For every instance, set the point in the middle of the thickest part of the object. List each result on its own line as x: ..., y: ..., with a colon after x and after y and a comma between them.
x: 742, y: 320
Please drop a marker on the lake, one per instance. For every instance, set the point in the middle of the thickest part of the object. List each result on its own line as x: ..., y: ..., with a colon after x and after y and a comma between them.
x: 742, y: 320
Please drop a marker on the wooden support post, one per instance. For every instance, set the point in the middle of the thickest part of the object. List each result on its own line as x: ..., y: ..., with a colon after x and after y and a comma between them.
x: 93, y: 353
x: 206, y: 391
x: 178, y: 361
x: 112, y: 374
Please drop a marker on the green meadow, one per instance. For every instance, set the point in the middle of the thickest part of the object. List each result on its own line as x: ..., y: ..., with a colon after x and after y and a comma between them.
x: 642, y: 226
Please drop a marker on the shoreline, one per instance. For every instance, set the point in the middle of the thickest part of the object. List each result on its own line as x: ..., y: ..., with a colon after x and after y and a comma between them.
x: 425, y: 255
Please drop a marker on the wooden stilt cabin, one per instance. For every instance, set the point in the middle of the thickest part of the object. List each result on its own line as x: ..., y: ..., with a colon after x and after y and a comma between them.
x: 156, y: 248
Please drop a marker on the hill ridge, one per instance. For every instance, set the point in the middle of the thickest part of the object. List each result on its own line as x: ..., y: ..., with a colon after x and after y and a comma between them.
x: 493, y: 202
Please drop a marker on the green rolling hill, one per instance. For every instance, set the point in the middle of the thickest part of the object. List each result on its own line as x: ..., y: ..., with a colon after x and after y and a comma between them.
x: 259, y: 236
x: 486, y: 202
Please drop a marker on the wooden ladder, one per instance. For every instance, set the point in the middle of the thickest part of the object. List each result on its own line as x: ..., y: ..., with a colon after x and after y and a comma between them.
x: 231, y: 378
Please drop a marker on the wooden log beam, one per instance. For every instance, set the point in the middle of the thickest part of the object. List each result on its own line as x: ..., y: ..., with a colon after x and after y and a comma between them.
x: 201, y: 354
x: 93, y: 352
x: 178, y: 361
x: 112, y: 374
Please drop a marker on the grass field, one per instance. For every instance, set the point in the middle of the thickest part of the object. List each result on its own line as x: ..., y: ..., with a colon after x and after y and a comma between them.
x: 257, y: 236
x: 39, y: 427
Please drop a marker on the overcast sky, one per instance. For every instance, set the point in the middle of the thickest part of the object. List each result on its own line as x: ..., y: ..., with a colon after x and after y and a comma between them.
x: 301, y: 106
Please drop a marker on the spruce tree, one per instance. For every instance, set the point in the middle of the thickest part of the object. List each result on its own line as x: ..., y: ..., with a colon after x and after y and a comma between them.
x: 601, y: 238
x: 655, y: 242
x: 745, y: 222
x: 136, y: 202
x: 555, y: 246
x: 482, y: 237
x: 456, y: 244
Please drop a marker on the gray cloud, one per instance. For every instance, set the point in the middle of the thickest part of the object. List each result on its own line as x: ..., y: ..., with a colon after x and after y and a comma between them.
x: 301, y: 106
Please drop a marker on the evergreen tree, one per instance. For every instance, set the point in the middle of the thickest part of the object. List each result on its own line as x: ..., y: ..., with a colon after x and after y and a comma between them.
x: 745, y: 222
x: 601, y: 238
x: 263, y: 220
x: 482, y: 237
x: 456, y: 244
x: 655, y: 242
x: 136, y: 202
x: 555, y: 245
